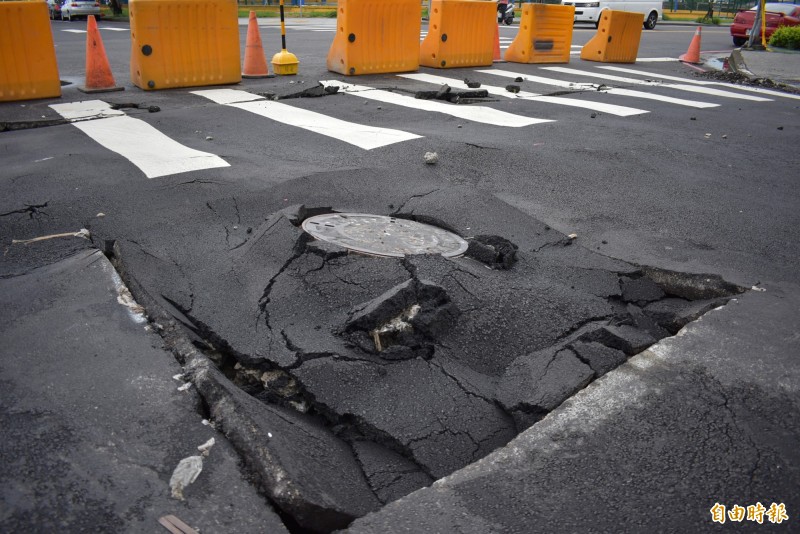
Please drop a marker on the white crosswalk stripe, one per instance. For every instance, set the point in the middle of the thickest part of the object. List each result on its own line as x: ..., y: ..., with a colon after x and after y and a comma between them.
x: 594, y: 87
x: 141, y: 144
x: 681, y: 87
x: 482, y: 114
x: 612, y: 109
x: 366, y: 137
x: 705, y: 82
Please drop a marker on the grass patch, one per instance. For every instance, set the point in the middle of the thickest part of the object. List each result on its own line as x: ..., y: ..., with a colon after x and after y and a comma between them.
x: 108, y: 15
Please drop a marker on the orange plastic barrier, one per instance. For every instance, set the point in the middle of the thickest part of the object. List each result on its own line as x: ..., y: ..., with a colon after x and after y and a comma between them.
x: 375, y: 36
x: 545, y: 34
x: 617, y: 38
x: 28, y: 67
x: 184, y: 43
x: 460, y: 34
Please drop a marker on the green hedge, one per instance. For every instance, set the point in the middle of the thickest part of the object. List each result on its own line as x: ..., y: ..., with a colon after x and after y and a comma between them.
x: 786, y: 37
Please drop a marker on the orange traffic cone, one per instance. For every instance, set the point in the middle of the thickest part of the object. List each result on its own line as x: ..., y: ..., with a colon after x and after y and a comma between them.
x: 693, y: 54
x: 255, y: 63
x: 98, y: 72
x: 497, y: 56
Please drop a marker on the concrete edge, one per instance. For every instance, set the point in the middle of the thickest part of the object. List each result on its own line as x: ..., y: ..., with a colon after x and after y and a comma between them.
x: 736, y: 63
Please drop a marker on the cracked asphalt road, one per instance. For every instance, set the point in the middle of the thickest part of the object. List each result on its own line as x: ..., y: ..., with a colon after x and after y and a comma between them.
x: 494, y: 346
x: 279, y: 327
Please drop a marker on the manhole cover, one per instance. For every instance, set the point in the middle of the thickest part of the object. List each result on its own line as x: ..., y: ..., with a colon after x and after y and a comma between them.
x: 383, y: 236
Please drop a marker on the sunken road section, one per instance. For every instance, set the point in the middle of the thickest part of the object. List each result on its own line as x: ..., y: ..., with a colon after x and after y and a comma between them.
x: 347, y: 381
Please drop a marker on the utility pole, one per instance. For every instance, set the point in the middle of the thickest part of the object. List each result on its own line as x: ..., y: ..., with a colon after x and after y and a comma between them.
x: 758, y: 27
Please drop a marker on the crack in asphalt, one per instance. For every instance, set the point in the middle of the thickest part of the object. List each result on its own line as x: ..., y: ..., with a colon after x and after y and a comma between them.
x: 30, y: 209
x: 412, y: 197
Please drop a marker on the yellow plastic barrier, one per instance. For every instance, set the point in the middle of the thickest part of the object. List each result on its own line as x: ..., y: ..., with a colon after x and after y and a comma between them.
x: 545, y: 34
x: 28, y: 67
x: 184, y: 43
x: 460, y: 34
x: 617, y: 38
x: 375, y: 36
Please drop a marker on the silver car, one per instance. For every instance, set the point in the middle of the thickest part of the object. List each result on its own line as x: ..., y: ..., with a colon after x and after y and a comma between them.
x: 79, y: 8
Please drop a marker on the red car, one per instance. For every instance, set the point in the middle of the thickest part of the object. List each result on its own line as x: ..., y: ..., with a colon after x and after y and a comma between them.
x: 776, y: 14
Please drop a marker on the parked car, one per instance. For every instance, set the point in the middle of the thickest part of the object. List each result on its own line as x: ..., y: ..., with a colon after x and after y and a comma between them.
x: 776, y: 15
x: 592, y: 11
x: 54, y: 7
x: 79, y: 8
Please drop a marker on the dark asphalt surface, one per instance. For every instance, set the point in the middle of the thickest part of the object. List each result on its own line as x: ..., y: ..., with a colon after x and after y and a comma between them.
x: 93, y: 421
x: 215, y: 256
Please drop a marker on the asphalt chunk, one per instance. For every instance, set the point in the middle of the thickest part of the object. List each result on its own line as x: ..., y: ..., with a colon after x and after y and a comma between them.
x: 536, y: 383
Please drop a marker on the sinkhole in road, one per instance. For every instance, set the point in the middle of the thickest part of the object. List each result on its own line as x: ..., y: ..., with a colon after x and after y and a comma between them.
x: 370, y: 375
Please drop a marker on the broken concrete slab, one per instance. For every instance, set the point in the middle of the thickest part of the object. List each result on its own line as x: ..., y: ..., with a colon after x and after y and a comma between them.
x: 287, y: 299
x: 674, y: 313
x: 640, y: 290
x: 304, y: 469
x: 494, y: 251
x: 428, y: 297
x: 390, y: 475
x: 505, y: 313
x: 600, y: 358
x: 643, y: 446
x: 691, y: 286
x: 628, y: 339
x: 441, y: 425
x: 536, y: 383
x: 644, y: 322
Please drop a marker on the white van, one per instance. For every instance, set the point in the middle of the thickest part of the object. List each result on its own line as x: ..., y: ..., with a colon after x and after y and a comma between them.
x: 590, y: 11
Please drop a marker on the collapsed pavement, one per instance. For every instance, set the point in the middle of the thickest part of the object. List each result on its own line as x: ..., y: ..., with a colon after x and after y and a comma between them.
x: 347, y: 381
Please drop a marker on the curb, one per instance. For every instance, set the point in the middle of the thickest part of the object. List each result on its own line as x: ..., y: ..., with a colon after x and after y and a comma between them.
x: 737, y: 65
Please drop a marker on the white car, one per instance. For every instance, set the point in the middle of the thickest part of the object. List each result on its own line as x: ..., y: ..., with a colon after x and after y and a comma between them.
x: 591, y: 11
x: 79, y: 8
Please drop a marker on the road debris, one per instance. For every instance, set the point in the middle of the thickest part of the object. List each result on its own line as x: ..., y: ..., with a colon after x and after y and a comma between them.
x: 83, y: 232
x: 131, y: 105
x: 185, y: 473
x: 431, y: 158
x: 316, y: 91
x: 175, y: 525
x: 189, y: 469
x: 205, y: 448
x: 447, y: 94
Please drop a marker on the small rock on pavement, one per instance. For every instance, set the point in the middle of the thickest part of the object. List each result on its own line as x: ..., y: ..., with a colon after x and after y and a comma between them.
x: 431, y: 158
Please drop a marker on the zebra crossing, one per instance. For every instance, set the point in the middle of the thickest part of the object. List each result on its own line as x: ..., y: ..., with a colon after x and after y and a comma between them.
x: 157, y: 155
x: 362, y: 136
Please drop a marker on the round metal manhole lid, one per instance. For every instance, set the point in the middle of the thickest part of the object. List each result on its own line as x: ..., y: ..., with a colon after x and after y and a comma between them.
x: 384, y: 236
